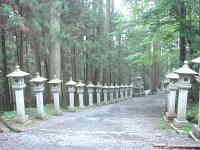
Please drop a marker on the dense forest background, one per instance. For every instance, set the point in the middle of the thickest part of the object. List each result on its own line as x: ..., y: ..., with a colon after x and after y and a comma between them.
x: 91, y: 40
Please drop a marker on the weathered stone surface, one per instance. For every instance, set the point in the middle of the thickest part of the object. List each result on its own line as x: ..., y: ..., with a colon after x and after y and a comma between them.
x: 196, y: 131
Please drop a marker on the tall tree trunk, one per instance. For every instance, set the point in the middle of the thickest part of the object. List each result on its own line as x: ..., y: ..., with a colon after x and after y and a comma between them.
x: 155, y: 77
x: 181, y: 13
x: 106, y: 33
x: 55, y: 53
x: 5, y: 64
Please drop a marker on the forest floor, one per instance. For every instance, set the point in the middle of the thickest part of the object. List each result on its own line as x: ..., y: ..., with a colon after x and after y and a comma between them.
x: 135, y: 124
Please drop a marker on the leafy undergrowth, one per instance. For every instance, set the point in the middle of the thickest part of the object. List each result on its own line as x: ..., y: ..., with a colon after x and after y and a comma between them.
x: 192, y: 117
x: 192, y: 113
x: 31, y: 112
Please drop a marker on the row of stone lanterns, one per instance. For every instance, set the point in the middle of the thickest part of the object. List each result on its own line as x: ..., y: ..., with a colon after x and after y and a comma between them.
x: 105, y: 91
x: 180, y: 80
x: 18, y: 85
x: 38, y: 83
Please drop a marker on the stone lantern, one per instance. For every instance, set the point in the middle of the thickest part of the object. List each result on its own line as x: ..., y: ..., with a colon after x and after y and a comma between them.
x: 105, y: 93
x: 18, y: 85
x: 55, y: 84
x: 90, y: 88
x: 121, y: 92
x: 185, y: 74
x: 140, y: 85
x: 99, y: 90
x: 71, y: 89
x: 196, y: 128
x: 173, y: 77
x: 38, y: 87
x: 111, y: 89
x: 131, y: 90
x: 126, y: 91
x: 116, y: 93
x: 80, y: 89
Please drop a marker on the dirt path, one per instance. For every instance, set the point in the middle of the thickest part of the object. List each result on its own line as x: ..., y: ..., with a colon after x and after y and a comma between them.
x: 129, y: 125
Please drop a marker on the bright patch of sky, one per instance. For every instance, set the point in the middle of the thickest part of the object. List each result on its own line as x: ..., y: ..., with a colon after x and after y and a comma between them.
x: 120, y: 6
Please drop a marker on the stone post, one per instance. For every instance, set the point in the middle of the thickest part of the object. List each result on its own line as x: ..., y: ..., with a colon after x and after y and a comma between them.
x: 98, y: 90
x: 121, y: 93
x: 105, y: 93
x: 71, y: 89
x: 126, y: 91
x: 131, y: 91
x: 111, y: 89
x: 184, y: 85
x: 80, y: 89
x: 90, y: 87
x: 55, y: 84
x: 173, y: 77
x: 38, y: 88
x: 116, y: 93
x: 18, y: 85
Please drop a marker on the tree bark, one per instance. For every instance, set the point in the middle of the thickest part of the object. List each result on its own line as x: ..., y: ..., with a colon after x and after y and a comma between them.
x: 54, y: 31
x: 5, y: 64
x: 155, y: 67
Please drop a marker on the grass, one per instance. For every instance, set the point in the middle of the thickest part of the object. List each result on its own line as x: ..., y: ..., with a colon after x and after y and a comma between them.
x: 188, y: 128
x: 31, y: 112
x: 192, y: 113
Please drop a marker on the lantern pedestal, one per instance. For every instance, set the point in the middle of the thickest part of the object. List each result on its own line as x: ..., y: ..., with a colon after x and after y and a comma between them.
x: 20, y: 107
x: 56, y: 99
x: 121, y: 94
x: 90, y: 94
x: 181, y: 121
x: 71, y: 89
x: 98, y: 90
x: 116, y: 94
x: 111, y: 96
x: 105, y: 94
x: 40, y: 105
x: 170, y: 114
x: 71, y: 97
x: 80, y: 91
x: 81, y: 100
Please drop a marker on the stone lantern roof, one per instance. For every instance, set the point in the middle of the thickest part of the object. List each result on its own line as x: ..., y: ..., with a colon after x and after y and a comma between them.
x: 111, y: 86
x: 71, y: 82
x: 98, y: 85
x: 196, y: 60
x: 139, y: 78
x: 90, y: 85
x: 105, y: 86
x: 80, y: 84
x: 116, y: 86
x: 55, y: 80
x: 185, y: 70
x: 172, y: 75
x: 38, y: 79
x: 122, y: 86
x: 17, y: 73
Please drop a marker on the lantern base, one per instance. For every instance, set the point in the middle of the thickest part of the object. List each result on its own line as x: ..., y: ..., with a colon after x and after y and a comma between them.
x: 180, y: 123
x: 58, y: 113
x: 42, y: 116
x: 21, y: 119
x: 196, y: 131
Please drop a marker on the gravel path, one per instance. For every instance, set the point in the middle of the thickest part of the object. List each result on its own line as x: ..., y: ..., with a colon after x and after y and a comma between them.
x: 135, y: 124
